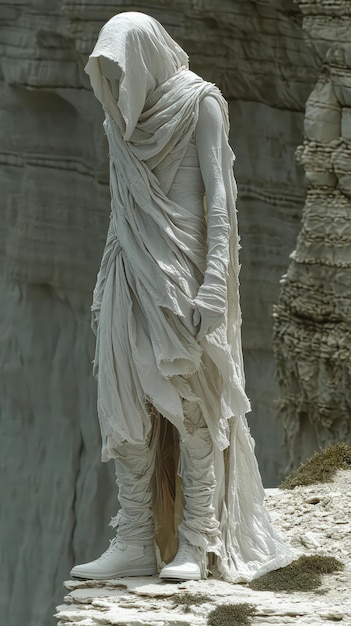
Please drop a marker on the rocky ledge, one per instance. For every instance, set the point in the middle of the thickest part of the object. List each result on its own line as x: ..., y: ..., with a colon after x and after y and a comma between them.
x: 314, y: 520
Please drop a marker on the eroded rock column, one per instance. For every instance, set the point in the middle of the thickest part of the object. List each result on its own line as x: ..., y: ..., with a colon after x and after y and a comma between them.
x: 312, y: 336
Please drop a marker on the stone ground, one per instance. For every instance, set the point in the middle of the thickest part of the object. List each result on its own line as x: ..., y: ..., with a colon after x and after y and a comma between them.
x: 314, y: 520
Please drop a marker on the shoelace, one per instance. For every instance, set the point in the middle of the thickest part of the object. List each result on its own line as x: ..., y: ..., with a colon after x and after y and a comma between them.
x: 195, y: 553
x: 115, y: 544
x: 185, y: 549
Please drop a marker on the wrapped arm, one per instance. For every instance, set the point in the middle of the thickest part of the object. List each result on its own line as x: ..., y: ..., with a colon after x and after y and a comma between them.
x: 211, y: 141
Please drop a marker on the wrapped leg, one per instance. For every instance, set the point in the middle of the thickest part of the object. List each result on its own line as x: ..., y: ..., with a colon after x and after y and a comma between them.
x: 131, y: 552
x: 134, y: 466
x: 199, y: 530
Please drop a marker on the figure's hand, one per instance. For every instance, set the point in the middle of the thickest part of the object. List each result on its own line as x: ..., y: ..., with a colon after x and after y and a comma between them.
x: 208, y: 321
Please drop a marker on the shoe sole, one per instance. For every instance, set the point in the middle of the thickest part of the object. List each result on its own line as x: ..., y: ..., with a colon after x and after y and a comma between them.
x: 123, y: 574
x: 177, y: 578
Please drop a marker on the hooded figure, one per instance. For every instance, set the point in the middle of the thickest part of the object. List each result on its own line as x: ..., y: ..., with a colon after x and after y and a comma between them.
x: 168, y: 361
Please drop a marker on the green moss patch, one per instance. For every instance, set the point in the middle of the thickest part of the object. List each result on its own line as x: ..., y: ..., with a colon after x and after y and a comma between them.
x: 231, y: 615
x: 304, y: 574
x: 188, y: 600
x: 321, y: 467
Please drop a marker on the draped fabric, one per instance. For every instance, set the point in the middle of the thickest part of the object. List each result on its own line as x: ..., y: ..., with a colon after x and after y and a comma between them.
x: 166, y: 303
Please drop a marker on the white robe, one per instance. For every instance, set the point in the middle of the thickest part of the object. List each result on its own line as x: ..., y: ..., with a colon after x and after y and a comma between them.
x: 172, y: 252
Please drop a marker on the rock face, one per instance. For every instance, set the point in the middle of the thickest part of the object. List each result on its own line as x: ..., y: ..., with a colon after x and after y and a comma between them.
x: 312, y: 320
x: 57, y: 497
x: 315, y: 520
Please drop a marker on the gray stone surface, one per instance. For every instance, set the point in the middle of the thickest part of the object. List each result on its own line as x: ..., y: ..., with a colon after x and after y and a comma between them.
x: 56, y: 496
x: 315, y: 520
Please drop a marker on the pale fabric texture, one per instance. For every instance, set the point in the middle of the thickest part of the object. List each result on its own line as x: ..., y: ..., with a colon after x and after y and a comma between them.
x: 166, y: 303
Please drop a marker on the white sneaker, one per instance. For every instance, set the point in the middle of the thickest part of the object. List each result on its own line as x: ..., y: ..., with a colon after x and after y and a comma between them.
x: 186, y: 565
x: 120, y: 559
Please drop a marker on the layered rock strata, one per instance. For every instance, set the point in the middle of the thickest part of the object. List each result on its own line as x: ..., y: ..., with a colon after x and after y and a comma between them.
x: 312, y: 337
